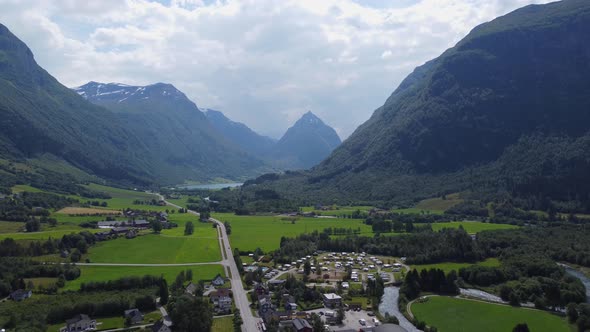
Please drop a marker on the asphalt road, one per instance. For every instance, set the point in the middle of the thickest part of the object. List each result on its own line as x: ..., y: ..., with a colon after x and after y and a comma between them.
x: 240, y: 297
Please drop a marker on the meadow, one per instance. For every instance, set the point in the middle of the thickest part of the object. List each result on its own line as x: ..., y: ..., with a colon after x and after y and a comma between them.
x: 156, y: 249
x: 471, y: 227
x: 222, y: 324
x: 265, y: 232
x: 105, y: 273
x: 338, y: 211
x: 460, y: 315
x: 449, y: 266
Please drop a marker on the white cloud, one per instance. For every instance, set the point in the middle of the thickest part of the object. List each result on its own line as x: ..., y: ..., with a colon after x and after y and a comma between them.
x: 262, y: 62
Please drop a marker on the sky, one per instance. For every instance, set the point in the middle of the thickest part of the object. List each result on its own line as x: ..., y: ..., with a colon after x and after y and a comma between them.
x: 263, y: 63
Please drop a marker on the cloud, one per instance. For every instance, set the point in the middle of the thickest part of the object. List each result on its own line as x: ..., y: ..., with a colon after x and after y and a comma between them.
x: 262, y: 62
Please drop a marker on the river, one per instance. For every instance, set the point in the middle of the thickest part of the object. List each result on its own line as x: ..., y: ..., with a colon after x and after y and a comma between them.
x: 211, y: 186
x: 573, y: 272
x: 389, y: 305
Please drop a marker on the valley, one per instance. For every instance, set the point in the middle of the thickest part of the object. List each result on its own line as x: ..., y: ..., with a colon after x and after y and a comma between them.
x: 462, y: 203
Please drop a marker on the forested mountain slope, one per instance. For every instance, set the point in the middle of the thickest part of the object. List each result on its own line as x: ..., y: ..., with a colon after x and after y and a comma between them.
x: 41, y: 117
x: 506, y: 109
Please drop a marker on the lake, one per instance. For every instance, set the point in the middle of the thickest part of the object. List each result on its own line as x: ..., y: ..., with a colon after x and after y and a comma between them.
x: 211, y: 186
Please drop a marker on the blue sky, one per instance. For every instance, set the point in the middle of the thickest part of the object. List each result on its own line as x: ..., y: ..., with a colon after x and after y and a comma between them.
x: 261, y: 62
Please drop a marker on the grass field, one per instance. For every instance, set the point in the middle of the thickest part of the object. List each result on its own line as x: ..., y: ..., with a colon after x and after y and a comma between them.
x: 11, y: 226
x: 200, y: 229
x: 447, y: 267
x: 338, y: 211
x: 222, y: 324
x: 105, y: 273
x: 459, y: 315
x: 83, y: 210
x: 471, y: 227
x: 251, y: 232
x: 156, y: 249
x: 55, y: 233
x: 103, y: 324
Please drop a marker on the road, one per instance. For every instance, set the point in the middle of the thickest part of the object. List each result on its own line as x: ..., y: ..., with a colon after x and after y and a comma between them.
x: 240, y: 297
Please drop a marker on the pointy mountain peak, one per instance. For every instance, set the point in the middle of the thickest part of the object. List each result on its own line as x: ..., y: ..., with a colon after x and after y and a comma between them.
x: 310, y: 118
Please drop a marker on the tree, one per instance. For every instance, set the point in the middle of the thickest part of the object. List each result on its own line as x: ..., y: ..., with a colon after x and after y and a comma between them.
x: 572, y: 312
x: 523, y: 327
x: 189, y: 275
x: 307, y: 268
x: 189, y: 228
x: 157, y: 226
x: 163, y: 292
x: 237, y: 320
x: 227, y: 227
x: 191, y: 314
x: 340, y: 316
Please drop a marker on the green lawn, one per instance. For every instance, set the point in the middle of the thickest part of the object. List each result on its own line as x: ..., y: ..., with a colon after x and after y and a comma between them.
x: 103, y: 324
x: 156, y: 249
x: 447, y: 267
x: 338, y: 211
x: 222, y: 324
x: 11, y: 226
x: 251, y: 232
x: 55, y: 233
x: 458, y: 315
x: 471, y: 227
x: 201, y: 229
x: 105, y: 273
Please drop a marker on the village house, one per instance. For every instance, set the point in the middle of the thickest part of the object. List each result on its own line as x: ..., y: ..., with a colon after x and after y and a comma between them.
x: 222, y: 301
x: 218, y: 281
x: 79, y: 323
x: 290, y: 303
x: 20, y: 295
x: 301, y: 325
x: 332, y: 300
x: 191, y: 288
x: 134, y: 316
x: 159, y: 326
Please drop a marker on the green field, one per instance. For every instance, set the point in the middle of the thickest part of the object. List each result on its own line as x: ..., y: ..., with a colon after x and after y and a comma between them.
x: 458, y: 315
x: 339, y: 211
x: 55, y: 233
x: 105, y: 273
x: 471, y: 227
x: 251, y: 232
x: 200, y: 229
x: 156, y: 249
x: 222, y: 324
x: 103, y: 324
x: 11, y: 226
x: 447, y: 267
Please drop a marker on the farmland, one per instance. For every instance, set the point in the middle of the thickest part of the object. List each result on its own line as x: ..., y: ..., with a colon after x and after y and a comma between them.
x: 105, y: 273
x: 449, y: 266
x: 156, y: 249
x: 457, y: 315
x: 471, y: 227
x: 265, y: 232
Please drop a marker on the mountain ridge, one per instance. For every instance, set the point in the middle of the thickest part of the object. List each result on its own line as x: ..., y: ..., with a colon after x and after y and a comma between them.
x: 454, y: 123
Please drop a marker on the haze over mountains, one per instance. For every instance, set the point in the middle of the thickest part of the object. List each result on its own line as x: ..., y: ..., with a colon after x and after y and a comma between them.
x: 506, y: 109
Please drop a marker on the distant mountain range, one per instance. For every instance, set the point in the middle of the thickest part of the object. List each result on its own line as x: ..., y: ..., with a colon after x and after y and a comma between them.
x: 504, y: 111
x: 304, y: 145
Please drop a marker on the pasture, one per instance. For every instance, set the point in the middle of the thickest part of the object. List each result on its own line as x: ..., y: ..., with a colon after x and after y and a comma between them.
x: 156, y: 249
x: 106, y: 273
x: 471, y: 227
x: 265, y: 232
x: 338, y: 211
x: 460, y: 315
x: 449, y: 266
x: 222, y: 324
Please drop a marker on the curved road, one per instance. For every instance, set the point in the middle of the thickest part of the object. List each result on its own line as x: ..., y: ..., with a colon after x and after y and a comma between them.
x: 240, y: 296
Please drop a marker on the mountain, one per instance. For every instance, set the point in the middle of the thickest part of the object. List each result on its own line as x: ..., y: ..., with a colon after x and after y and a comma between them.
x: 506, y: 109
x: 240, y: 134
x: 173, y: 128
x: 306, y: 143
x: 46, y: 124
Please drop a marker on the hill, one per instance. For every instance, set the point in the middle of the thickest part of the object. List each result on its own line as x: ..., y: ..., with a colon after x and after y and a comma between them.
x: 504, y: 111
x: 175, y: 130
x: 48, y: 133
x: 240, y: 134
x: 306, y: 143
